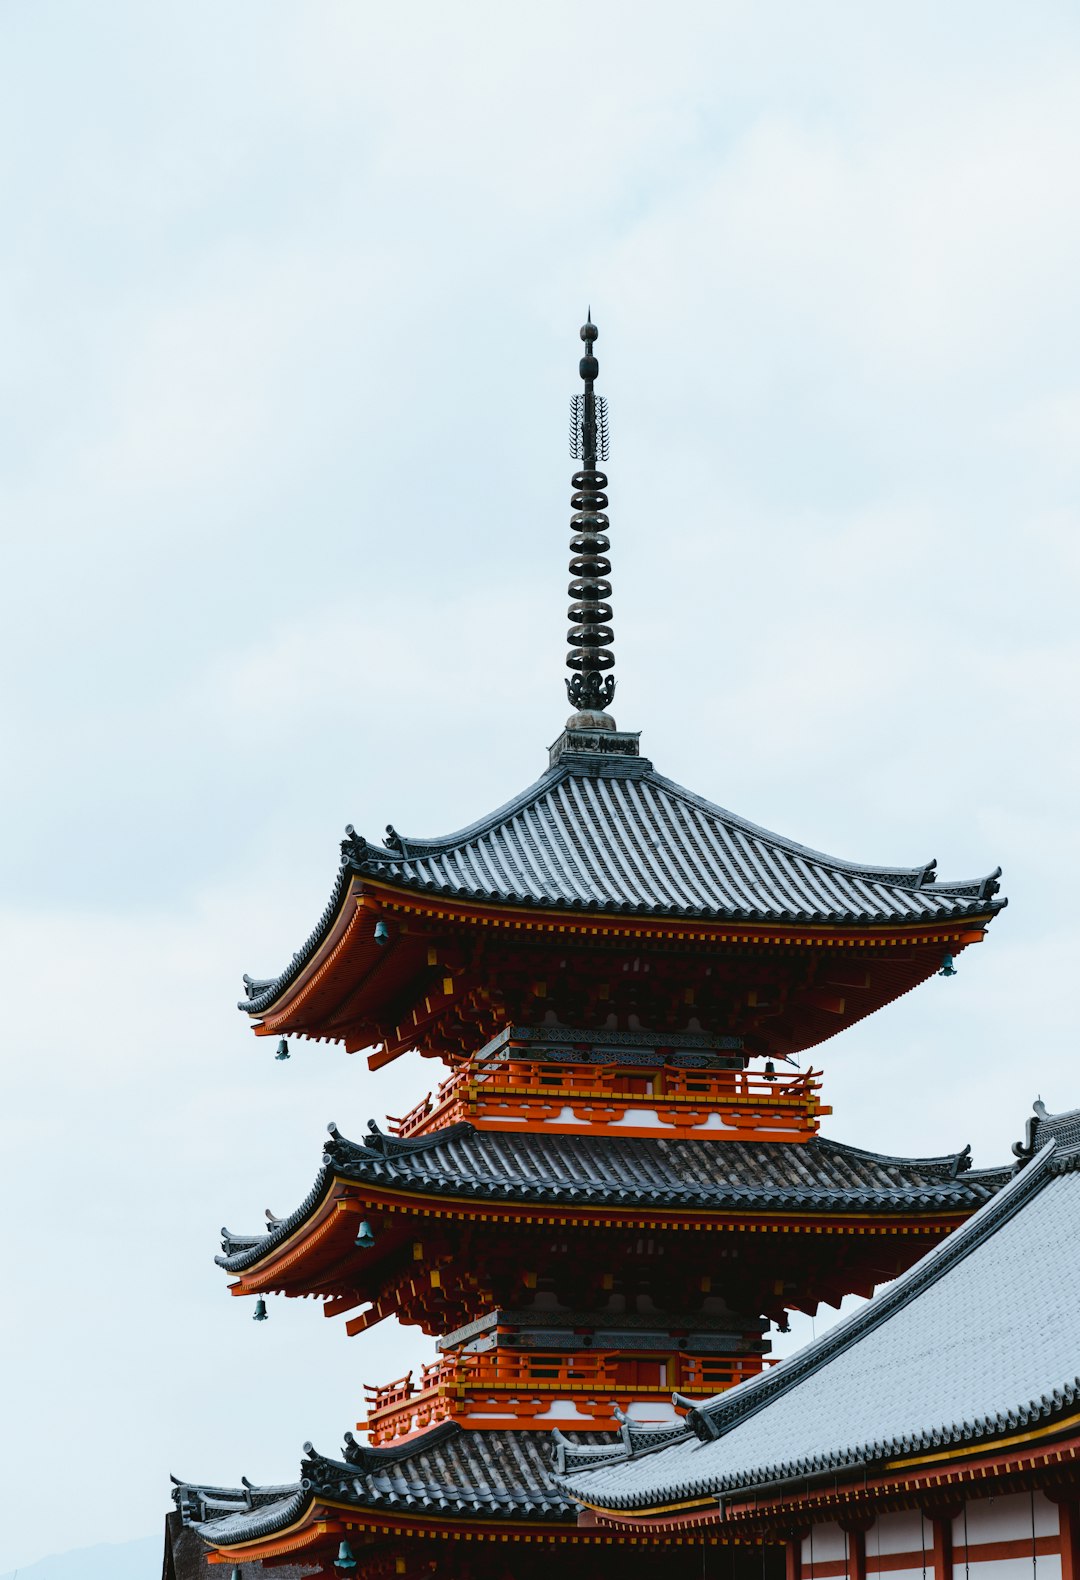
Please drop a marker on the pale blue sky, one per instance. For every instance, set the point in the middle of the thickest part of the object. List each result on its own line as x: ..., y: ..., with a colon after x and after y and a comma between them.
x: 288, y: 307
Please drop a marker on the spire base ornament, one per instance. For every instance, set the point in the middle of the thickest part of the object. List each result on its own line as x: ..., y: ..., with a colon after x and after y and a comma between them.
x: 592, y: 736
x: 587, y: 719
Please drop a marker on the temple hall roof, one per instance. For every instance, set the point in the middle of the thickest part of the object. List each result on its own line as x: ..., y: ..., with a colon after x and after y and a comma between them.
x: 979, y: 1338
x: 601, y: 833
x: 819, y: 1175
x: 447, y: 1471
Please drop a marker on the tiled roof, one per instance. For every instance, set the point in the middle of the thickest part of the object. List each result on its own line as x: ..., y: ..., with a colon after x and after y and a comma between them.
x: 813, y: 1176
x: 612, y: 835
x: 980, y: 1338
x: 447, y: 1471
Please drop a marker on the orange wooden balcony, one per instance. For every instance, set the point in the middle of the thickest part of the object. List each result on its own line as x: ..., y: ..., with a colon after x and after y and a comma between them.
x: 507, y: 1388
x: 569, y: 1099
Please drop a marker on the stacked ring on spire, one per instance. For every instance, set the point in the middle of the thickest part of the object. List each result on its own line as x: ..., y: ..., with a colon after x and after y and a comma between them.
x: 590, y: 634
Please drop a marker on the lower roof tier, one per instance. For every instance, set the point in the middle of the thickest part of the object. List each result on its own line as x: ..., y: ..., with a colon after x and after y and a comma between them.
x: 446, y: 1474
x: 786, y: 1225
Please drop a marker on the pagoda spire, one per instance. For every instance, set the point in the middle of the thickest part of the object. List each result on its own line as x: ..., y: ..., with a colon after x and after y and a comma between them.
x: 590, y: 684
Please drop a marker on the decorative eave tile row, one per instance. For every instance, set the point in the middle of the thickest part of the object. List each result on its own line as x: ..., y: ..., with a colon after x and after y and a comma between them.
x: 816, y: 1176
x: 496, y: 1475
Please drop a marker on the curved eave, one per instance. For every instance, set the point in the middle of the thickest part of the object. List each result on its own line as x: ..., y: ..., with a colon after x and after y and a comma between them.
x: 348, y: 962
x: 320, y: 1232
x: 621, y: 842
x: 326, y: 1521
x: 1047, y: 1436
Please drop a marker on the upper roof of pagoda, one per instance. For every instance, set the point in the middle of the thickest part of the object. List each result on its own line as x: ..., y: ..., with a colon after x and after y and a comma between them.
x: 601, y: 832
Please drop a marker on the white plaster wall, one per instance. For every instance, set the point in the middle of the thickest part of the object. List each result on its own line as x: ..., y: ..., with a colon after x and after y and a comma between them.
x: 1049, y: 1567
x: 1007, y: 1519
x: 829, y: 1544
x: 900, y: 1533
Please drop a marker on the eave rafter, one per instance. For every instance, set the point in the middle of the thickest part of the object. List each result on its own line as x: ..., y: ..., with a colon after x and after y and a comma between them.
x: 450, y: 974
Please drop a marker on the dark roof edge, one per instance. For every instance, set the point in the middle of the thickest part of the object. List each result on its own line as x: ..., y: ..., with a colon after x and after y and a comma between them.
x: 381, y: 1151
x: 262, y: 992
x: 257, y: 1527
x: 243, y: 1257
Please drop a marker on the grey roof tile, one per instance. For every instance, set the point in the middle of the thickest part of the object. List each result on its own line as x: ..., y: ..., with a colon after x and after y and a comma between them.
x: 819, y: 1175
x: 495, y: 1475
x: 980, y: 1337
x: 615, y: 836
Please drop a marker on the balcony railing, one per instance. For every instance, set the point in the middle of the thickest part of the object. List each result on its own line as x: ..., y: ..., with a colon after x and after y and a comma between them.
x: 505, y: 1388
x: 707, y: 1104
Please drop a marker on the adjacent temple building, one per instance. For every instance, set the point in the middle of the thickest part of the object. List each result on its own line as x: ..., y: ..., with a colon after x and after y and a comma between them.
x: 620, y: 1184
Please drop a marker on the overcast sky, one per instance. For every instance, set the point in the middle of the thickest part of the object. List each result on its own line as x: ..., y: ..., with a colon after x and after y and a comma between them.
x: 289, y: 299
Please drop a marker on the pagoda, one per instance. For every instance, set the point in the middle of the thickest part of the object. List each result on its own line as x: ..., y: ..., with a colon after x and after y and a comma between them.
x: 619, y: 1185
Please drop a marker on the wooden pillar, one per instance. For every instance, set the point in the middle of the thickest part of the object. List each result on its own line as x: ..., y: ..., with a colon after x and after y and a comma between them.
x: 1069, y: 1535
x: 856, y: 1546
x: 943, y: 1547
x: 793, y: 1559
x: 855, y: 1527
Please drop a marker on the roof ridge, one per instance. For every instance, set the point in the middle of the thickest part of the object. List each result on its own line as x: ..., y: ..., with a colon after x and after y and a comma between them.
x: 427, y: 845
x: 895, y: 875
x: 959, y: 1162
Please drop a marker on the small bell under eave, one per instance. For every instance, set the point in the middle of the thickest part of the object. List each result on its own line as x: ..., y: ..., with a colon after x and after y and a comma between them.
x: 283, y: 1050
x: 382, y: 933
x: 235, y: 1573
x: 365, y: 1236
x: 947, y: 967
x: 260, y: 1313
x: 345, y: 1559
x: 770, y: 1070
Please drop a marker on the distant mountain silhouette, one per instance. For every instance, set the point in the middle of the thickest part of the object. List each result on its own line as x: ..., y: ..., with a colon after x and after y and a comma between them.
x: 138, y: 1560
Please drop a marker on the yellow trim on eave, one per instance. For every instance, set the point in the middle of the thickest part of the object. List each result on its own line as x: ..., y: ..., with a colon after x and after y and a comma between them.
x: 642, y: 924
x: 636, y: 1514
x: 992, y: 1445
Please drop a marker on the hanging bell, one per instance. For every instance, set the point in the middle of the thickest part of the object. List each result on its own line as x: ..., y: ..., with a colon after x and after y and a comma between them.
x: 770, y: 1070
x: 283, y: 1050
x: 260, y: 1313
x: 365, y: 1236
x: 947, y: 967
x: 382, y: 933
x: 345, y: 1559
x: 235, y: 1574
